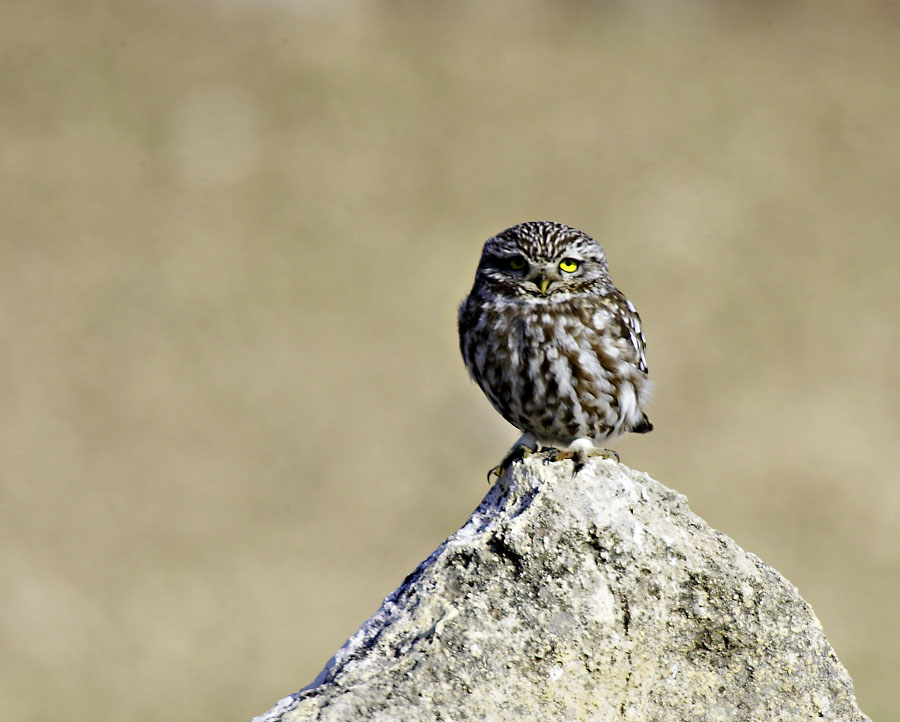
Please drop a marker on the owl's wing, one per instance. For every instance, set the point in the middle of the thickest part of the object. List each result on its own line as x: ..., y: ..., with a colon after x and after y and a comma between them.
x: 632, y: 323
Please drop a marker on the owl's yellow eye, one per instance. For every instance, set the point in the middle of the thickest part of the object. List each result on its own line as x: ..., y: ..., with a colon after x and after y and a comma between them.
x: 569, y: 265
x: 517, y: 263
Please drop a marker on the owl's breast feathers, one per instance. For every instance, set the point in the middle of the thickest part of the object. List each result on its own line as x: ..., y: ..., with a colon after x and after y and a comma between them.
x: 559, y: 369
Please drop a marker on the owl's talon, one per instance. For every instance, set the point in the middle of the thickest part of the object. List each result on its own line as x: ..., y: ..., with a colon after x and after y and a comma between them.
x: 579, y: 457
x: 523, y: 448
x: 582, y: 455
x: 607, y: 454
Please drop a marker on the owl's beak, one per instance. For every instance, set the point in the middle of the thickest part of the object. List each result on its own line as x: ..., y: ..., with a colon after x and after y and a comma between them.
x: 543, y: 284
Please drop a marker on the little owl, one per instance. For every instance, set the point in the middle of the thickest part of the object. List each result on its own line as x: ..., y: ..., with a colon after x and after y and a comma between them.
x: 554, y: 345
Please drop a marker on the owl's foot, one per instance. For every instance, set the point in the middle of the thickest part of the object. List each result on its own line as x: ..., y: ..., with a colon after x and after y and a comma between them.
x: 579, y: 454
x: 606, y: 454
x: 523, y: 448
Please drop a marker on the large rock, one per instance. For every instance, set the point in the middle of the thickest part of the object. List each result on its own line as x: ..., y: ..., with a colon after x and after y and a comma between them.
x: 598, y: 596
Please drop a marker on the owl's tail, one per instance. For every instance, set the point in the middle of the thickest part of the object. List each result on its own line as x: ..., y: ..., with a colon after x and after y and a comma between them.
x: 643, y: 426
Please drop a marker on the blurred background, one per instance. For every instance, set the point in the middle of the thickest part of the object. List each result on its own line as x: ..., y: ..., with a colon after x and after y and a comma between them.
x: 233, y: 237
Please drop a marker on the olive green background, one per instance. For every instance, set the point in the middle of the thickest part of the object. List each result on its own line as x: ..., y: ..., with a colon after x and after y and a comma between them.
x: 233, y: 236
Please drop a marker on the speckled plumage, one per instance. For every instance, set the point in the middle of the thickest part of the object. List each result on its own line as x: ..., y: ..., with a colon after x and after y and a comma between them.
x: 558, y: 352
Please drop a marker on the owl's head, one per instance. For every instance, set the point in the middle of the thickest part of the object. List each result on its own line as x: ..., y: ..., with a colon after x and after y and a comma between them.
x: 543, y: 260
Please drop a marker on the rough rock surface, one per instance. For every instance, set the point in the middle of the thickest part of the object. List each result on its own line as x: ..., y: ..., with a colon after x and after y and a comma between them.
x: 598, y: 596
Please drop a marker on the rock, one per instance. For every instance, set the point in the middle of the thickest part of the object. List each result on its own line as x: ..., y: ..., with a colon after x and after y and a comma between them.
x: 598, y: 596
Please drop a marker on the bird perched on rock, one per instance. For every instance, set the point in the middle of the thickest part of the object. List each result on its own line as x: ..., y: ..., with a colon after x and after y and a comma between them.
x: 554, y: 345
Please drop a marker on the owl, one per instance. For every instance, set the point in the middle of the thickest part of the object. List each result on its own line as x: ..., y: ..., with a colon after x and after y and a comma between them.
x: 553, y: 344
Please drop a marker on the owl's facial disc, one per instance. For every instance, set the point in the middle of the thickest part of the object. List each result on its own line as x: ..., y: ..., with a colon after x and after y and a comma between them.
x: 513, y: 266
